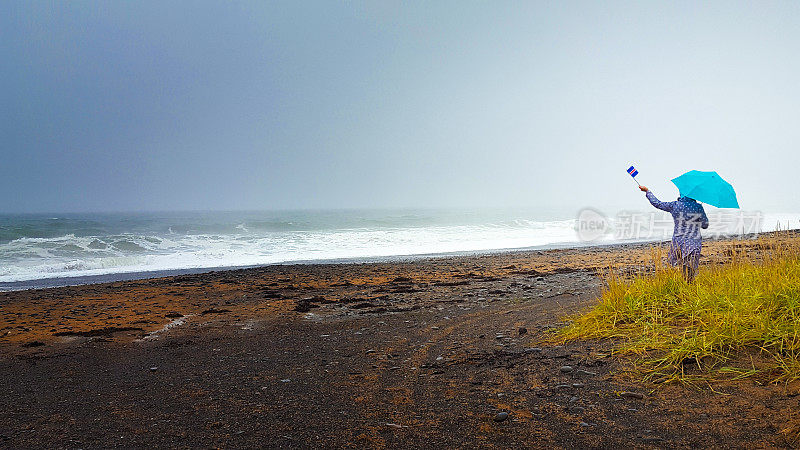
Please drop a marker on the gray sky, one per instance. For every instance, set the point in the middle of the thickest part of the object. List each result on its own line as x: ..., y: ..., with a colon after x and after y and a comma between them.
x: 214, y: 105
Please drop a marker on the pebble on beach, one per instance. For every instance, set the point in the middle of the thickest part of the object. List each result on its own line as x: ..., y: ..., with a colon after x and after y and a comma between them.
x: 501, y: 416
x: 628, y: 394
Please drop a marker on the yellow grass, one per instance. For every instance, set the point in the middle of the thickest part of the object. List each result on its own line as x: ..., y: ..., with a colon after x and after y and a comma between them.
x: 737, y: 319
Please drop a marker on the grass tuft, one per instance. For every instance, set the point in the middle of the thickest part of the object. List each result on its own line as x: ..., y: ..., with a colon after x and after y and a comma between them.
x: 738, y: 319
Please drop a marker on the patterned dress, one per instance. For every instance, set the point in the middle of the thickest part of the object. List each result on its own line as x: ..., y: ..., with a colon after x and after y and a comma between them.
x: 689, y: 216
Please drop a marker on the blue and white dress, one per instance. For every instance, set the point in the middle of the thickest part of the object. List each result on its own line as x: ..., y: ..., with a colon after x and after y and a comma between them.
x: 689, y: 216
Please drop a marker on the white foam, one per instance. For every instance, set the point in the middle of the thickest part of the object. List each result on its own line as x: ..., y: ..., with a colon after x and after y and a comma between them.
x: 172, y: 324
x: 35, y: 258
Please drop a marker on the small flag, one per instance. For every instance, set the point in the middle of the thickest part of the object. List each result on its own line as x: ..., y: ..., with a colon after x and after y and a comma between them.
x: 632, y: 171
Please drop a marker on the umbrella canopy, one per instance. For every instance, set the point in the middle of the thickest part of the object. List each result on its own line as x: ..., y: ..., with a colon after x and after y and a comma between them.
x: 707, y: 187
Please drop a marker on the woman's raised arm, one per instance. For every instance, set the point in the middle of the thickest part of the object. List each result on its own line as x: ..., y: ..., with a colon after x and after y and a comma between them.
x: 664, y: 206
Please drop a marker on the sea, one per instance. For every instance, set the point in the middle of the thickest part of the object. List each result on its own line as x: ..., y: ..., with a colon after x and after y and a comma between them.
x: 46, y: 250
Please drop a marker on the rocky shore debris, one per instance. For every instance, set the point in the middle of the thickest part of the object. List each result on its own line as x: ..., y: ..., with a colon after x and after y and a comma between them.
x: 106, y: 331
x: 402, y: 280
x: 215, y: 311
x: 271, y: 294
x: 362, y: 305
x: 451, y: 283
x: 305, y: 304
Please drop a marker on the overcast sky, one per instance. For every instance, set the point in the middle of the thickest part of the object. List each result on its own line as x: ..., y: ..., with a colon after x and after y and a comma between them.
x: 300, y: 104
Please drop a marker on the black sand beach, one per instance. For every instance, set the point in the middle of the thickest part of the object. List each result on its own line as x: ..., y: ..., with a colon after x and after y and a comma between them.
x: 437, y: 352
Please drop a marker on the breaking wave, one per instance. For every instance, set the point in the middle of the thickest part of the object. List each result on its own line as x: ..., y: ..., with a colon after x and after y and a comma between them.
x: 44, y: 247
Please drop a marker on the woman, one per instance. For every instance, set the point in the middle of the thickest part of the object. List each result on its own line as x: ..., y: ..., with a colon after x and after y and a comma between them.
x: 689, y: 216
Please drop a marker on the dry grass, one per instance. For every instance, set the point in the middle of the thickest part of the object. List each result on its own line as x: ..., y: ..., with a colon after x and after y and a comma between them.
x: 738, y: 319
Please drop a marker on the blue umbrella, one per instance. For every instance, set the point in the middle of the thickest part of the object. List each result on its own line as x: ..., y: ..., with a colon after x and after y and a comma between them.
x: 707, y: 187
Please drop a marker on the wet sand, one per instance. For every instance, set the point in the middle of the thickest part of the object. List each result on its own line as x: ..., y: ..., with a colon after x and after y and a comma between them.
x: 426, y: 353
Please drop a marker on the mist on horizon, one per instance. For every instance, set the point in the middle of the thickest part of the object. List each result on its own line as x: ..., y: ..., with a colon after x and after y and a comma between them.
x: 252, y: 106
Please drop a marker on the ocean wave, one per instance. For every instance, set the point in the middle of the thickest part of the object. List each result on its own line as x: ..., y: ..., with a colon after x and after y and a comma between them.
x: 162, y: 244
x: 70, y: 255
